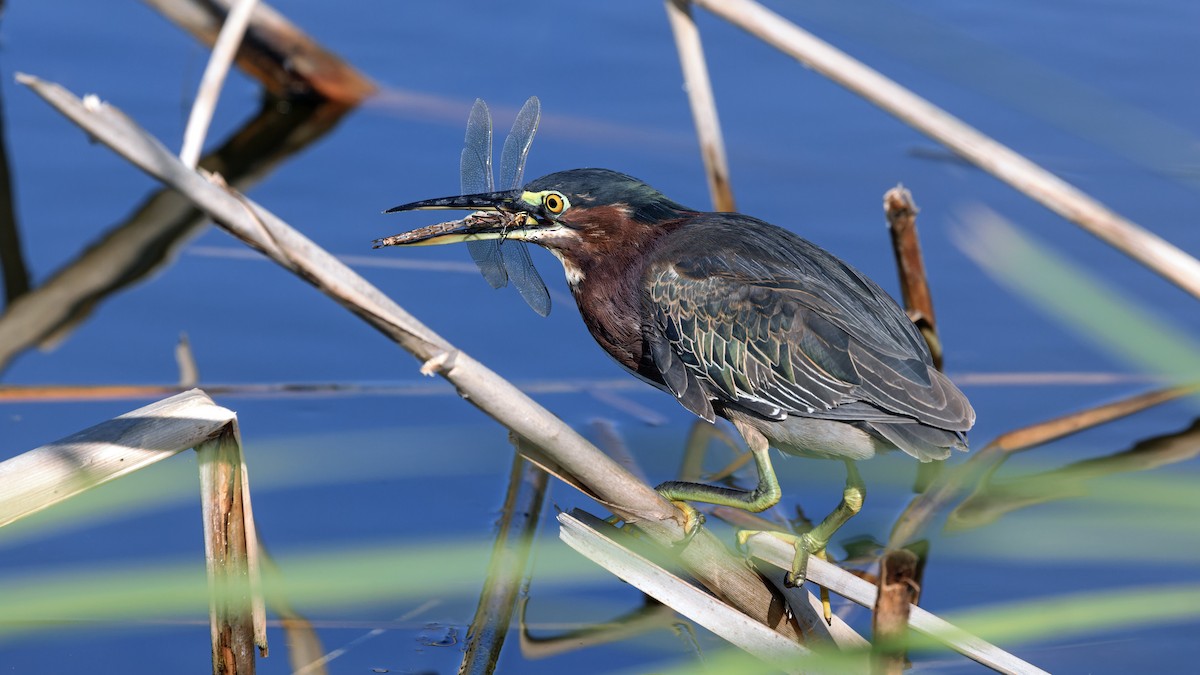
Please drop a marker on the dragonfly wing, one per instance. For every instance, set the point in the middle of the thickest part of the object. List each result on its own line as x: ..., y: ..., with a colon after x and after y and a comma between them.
x: 512, y: 172
x: 516, y: 146
x: 475, y: 168
x: 475, y: 172
x: 526, y: 278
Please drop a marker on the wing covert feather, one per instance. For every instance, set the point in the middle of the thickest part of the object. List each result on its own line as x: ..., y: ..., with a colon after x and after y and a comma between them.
x: 778, y: 326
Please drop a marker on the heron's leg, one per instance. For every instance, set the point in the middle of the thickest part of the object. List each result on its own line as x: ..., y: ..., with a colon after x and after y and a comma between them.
x: 815, y: 540
x: 763, y: 496
x: 680, y: 492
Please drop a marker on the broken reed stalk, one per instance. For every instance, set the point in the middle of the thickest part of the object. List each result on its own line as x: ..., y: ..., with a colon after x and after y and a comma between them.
x: 232, y: 30
x: 704, y: 106
x: 58, y: 471
x: 519, y: 520
x: 236, y: 609
x: 284, y: 59
x: 705, y: 557
x: 989, y: 155
x: 901, y: 213
x: 53, y: 473
x: 889, y: 622
x: 222, y: 469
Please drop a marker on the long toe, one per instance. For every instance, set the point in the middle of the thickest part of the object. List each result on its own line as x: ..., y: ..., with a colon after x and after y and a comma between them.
x: 805, y: 545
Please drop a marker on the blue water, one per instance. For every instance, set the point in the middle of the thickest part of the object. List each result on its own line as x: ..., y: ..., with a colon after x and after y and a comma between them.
x: 1103, y: 95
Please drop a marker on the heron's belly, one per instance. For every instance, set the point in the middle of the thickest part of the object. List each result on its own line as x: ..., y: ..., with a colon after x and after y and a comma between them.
x: 809, y: 437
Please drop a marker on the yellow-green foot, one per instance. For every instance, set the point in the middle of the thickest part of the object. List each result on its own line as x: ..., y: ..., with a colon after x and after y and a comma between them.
x: 692, y: 520
x: 805, y: 545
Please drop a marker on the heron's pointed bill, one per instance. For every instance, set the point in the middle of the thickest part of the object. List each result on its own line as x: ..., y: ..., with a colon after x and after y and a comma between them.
x: 497, y: 215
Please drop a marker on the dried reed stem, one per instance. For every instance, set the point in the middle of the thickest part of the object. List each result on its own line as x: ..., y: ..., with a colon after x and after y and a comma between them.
x: 897, y: 591
x: 287, y: 62
x: 704, y: 106
x: 56, y: 472
x: 60, y: 470
x: 901, y: 213
x: 1010, y: 167
x: 1058, y: 427
x: 214, y: 78
x: 236, y: 608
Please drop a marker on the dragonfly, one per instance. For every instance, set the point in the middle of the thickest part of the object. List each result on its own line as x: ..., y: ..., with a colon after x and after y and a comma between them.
x: 500, y: 261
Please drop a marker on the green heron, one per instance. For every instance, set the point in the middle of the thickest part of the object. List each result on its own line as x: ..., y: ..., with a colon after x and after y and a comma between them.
x: 735, y: 318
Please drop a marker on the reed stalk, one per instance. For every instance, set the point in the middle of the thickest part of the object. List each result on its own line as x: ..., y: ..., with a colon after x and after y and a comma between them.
x: 1022, y: 174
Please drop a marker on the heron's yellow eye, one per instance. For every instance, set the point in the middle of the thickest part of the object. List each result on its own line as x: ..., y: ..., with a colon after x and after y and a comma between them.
x: 554, y: 203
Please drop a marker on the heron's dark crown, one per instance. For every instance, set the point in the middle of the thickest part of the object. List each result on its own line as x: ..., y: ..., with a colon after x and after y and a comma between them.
x: 602, y: 187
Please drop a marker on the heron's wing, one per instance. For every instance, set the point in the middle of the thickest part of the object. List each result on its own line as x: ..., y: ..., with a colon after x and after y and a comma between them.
x: 746, y: 345
x: 769, y: 322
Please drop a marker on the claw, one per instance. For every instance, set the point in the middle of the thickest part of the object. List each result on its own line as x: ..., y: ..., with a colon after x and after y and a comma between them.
x: 743, y: 539
x: 799, y: 572
x: 692, y: 520
x: 805, y: 546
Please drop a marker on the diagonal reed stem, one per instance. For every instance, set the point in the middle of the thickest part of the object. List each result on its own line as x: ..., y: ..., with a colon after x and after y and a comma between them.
x: 1037, y: 183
